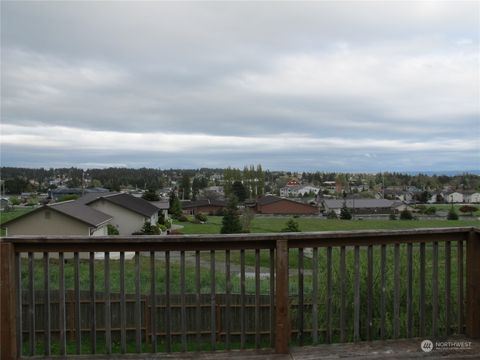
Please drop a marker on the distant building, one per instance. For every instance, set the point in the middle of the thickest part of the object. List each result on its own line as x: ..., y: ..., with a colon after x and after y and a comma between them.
x: 361, y: 206
x: 207, y: 206
x: 471, y: 197
x: 298, y: 190
x: 453, y: 197
x: 275, y: 205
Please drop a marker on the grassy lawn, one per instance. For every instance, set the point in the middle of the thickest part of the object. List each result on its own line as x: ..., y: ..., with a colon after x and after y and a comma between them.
x: 275, y: 224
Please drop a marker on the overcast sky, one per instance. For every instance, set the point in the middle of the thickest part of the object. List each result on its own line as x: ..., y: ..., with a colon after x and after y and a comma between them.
x: 345, y: 86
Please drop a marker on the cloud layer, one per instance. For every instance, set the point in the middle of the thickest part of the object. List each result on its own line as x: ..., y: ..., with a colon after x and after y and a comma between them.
x: 327, y: 86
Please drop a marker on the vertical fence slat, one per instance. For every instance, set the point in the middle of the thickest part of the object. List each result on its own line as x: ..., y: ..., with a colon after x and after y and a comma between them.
x: 31, y: 305
x: 108, y: 311
x: 242, y: 299
x: 197, y: 298
x: 123, y: 309
x: 473, y: 290
x: 422, y: 290
x: 282, y: 325
x: 93, y: 306
x: 435, y: 290
x: 138, y: 305
x: 78, y: 328
x: 257, y: 298
x: 168, y: 310
x: 212, y: 300
x: 315, y: 296
x: 272, y: 298
x: 460, y: 319
x: 448, y: 256
x: 383, y: 290
x: 227, y: 300
x: 153, y: 303
x: 396, y: 292
x: 329, y: 294
x: 356, y: 326
x: 369, y: 292
x: 46, y: 304
x: 8, y: 325
x: 183, y: 319
x: 61, y: 306
x: 300, y: 297
x: 343, y: 334
x: 19, y: 318
x: 409, y: 290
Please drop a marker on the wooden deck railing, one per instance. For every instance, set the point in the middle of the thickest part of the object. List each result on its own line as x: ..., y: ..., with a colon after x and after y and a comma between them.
x: 182, y: 293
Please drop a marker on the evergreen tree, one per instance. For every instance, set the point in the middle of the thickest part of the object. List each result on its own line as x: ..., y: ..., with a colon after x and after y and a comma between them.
x: 345, y: 214
x: 452, y: 214
x: 238, y: 190
x: 231, y: 220
x: 291, y: 226
x: 175, y: 207
x: 185, y: 187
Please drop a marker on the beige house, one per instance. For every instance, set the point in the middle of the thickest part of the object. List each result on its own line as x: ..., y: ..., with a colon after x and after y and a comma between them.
x: 128, y: 213
x: 65, y: 218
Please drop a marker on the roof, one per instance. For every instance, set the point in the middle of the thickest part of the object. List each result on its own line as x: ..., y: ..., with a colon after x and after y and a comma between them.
x: 206, y: 202
x: 127, y: 201
x: 81, y: 212
x: 358, y: 203
x: 270, y: 199
x: 161, y: 204
x: 73, y: 209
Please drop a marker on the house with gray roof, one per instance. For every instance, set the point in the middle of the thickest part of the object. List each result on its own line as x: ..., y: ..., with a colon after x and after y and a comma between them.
x: 361, y: 206
x: 64, y: 218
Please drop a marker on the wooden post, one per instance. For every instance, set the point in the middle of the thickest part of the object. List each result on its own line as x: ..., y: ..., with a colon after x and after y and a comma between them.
x: 8, y: 325
x: 282, y: 333
x: 473, y: 285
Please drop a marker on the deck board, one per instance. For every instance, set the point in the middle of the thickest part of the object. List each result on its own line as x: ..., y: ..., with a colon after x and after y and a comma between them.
x: 388, y: 349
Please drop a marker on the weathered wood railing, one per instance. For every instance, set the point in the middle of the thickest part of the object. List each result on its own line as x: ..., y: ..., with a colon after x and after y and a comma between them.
x: 304, y: 288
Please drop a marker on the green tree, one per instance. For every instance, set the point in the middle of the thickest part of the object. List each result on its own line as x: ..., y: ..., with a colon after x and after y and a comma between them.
x: 452, y: 214
x: 112, y: 230
x: 150, y: 195
x: 291, y: 226
x: 345, y: 214
x: 406, y: 214
x: 231, y: 220
x: 185, y: 187
x: 239, y: 191
x: 175, y: 206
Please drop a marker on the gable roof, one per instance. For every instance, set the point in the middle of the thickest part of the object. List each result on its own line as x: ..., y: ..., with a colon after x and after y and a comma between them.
x: 72, y: 209
x: 127, y: 201
x: 270, y: 199
x: 206, y: 202
x: 359, y: 203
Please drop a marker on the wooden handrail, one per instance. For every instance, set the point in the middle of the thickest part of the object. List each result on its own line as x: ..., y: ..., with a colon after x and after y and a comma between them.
x: 277, y: 243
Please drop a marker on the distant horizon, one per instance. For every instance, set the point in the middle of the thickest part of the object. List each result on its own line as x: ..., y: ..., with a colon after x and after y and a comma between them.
x: 407, y: 172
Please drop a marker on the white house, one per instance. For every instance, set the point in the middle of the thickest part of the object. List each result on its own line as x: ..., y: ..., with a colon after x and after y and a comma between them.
x: 453, y: 197
x: 472, y: 197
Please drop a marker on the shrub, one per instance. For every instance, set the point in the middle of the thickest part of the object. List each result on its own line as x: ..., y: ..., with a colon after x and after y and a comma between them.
x: 421, y: 208
x: 452, y: 214
x: 149, y: 229
x: 201, y: 217
x: 406, y: 215
x: 332, y: 215
x: 182, y: 218
x: 345, y: 214
x: 162, y: 227
x: 112, y: 230
x: 291, y: 226
x: 392, y: 216
x: 468, y: 209
x: 150, y: 195
x: 432, y: 210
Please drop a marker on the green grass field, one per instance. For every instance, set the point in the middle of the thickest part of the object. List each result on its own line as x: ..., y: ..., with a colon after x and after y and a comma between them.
x: 275, y: 224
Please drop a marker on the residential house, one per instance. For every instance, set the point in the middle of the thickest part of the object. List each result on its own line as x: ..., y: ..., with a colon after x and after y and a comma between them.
x: 128, y: 213
x: 453, y: 197
x: 298, y: 190
x: 275, y: 205
x: 361, y: 206
x: 471, y: 197
x: 64, y: 218
x: 207, y: 206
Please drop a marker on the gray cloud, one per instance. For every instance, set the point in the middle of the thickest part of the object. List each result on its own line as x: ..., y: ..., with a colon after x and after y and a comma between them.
x: 394, y: 74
